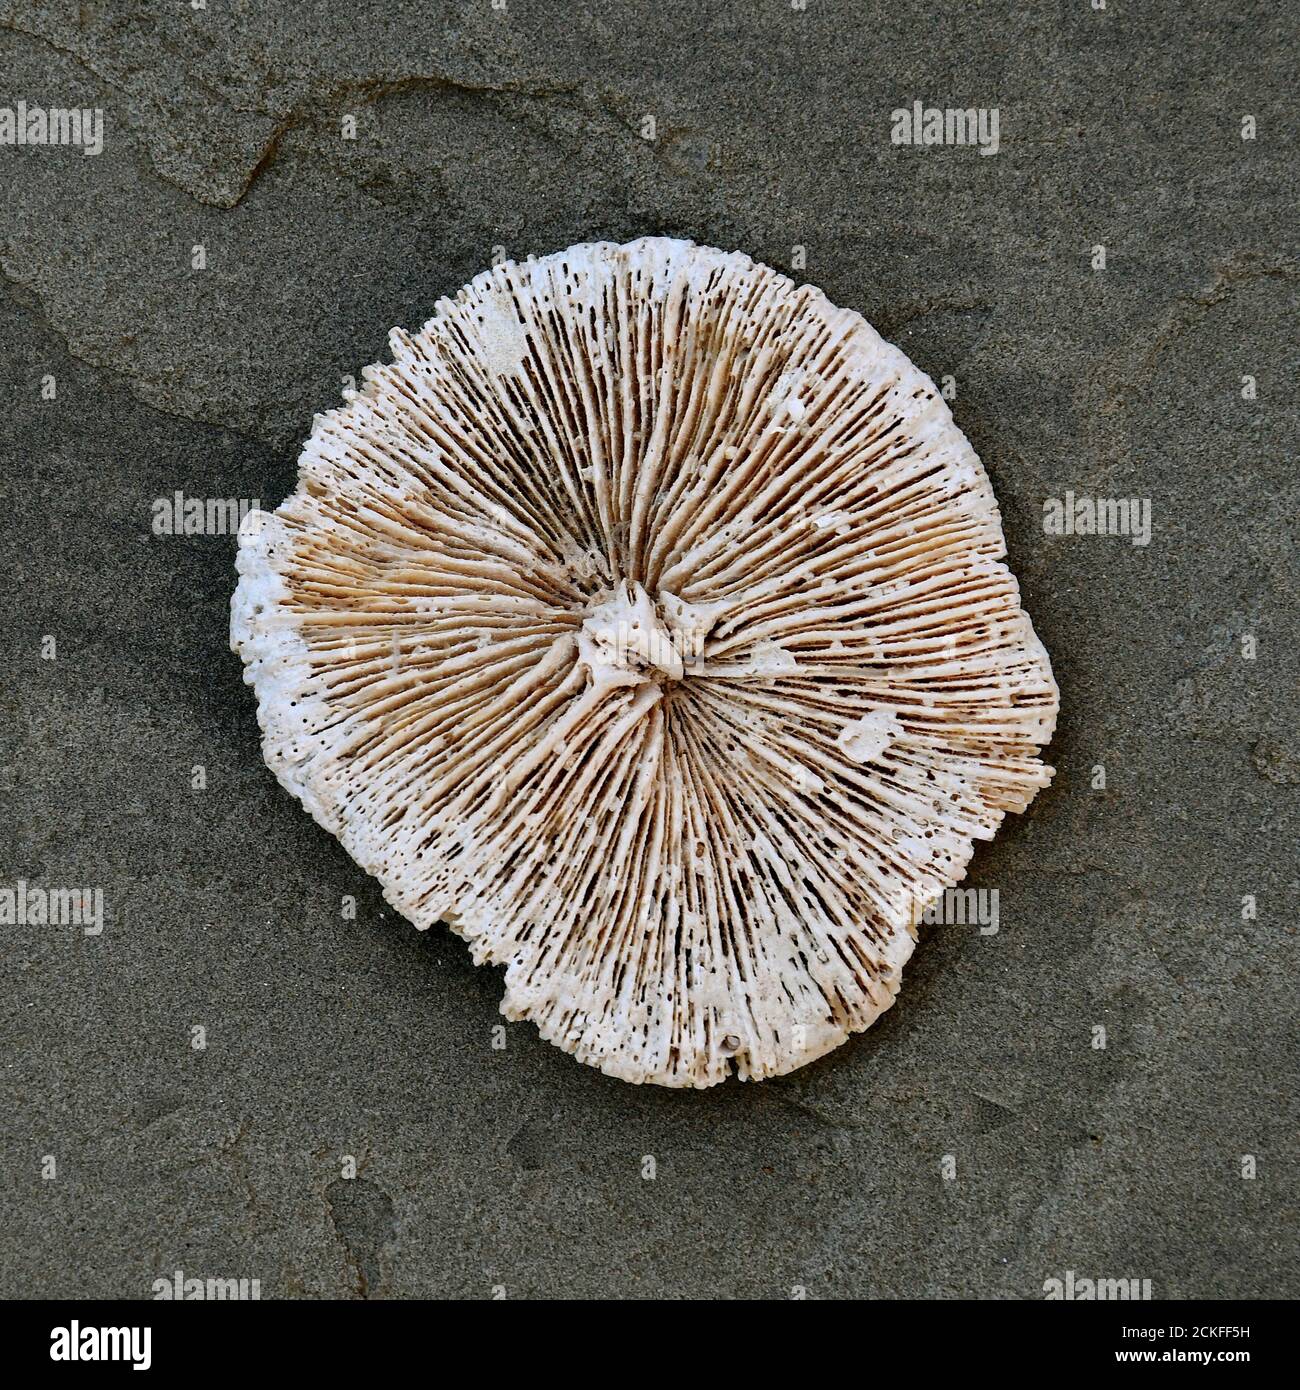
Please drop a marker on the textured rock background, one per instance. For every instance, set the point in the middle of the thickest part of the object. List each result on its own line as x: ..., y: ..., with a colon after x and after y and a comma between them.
x: 519, y: 1168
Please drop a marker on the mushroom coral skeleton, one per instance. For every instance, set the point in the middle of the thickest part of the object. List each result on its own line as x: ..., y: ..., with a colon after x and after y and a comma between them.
x: 646, y: 620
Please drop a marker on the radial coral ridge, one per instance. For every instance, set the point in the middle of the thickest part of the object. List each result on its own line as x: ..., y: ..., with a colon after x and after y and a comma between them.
x: 645, y: 619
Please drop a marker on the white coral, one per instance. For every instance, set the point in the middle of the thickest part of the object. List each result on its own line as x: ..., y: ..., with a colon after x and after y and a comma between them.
x: 546, y: 639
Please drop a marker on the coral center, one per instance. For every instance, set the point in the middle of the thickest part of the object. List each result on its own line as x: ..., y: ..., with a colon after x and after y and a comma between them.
x: 629, y: 638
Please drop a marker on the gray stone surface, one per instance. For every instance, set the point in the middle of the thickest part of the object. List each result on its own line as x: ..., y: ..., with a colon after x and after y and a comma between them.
x: 325, y: 1038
